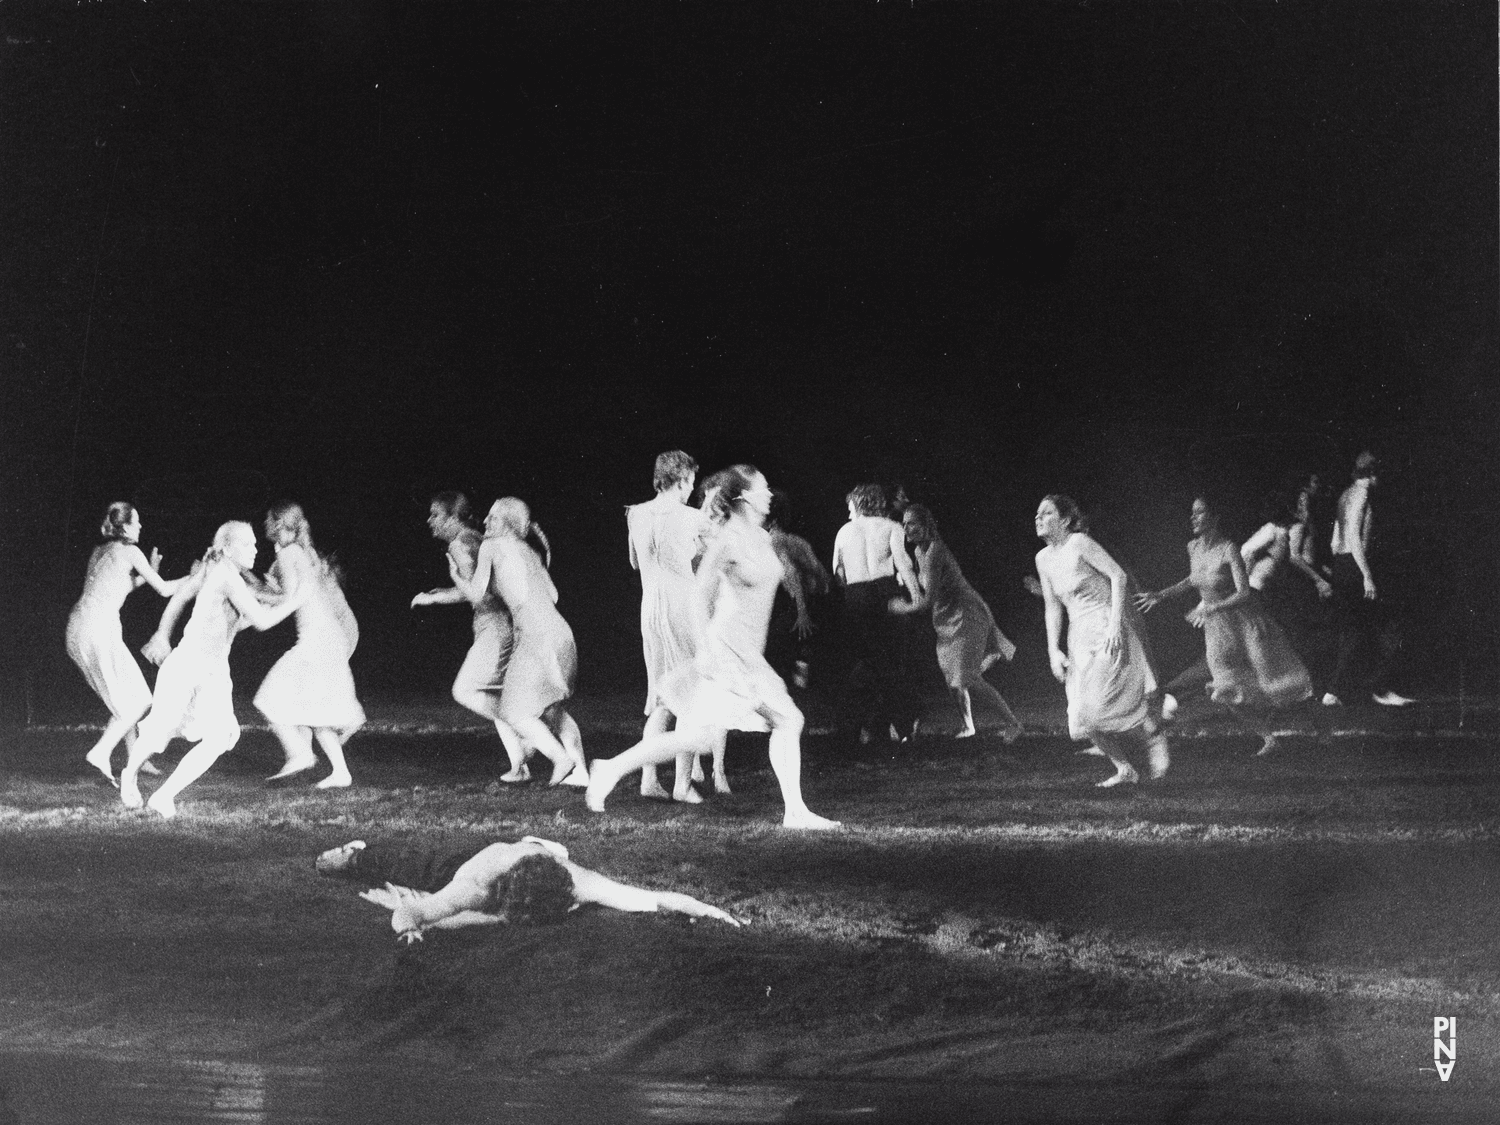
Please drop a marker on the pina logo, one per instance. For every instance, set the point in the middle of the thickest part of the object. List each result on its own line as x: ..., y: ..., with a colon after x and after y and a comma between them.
x: 1444, y: 1049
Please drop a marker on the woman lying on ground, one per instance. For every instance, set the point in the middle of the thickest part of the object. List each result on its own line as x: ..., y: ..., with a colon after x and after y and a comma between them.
x: 532, y: 882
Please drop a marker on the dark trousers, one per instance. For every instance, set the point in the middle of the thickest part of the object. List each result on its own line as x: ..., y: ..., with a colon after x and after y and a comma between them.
x: 1365, y: 627
x: 882, y: 687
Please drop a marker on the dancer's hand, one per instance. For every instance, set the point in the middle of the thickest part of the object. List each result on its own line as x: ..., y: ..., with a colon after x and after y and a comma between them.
x: 1059, y: 665
x: 1033, y: 586
x: 157, y: 649
x: 803, y: 626
x: 1113, y: 642
x: 1325, y: 590
x: 155, y: 559
x: 1148, y: 601
x: 1197, y: 615
x: 424, y: 598
x: 1369, y: 589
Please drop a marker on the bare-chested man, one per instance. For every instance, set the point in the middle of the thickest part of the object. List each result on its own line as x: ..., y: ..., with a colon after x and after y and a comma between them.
x: 871, y: 564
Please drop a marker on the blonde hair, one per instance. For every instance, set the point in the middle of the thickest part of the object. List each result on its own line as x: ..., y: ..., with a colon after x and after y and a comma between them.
x: 514, y: 518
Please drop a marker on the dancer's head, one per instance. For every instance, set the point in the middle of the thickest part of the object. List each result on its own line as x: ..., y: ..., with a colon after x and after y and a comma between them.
x: 450, y: 515
x: 340, y: 861
x: 1204, y: 520
x: 121, y: 522
x: 743, y: 490
x: 1365, y: 466
x: 286, y: 523
x: 1061, y: 514
x: 537, y: 890
x: 510, y: 516
x: 866, y: 500
x: 235, y: 542
x: 919, y: 524
x: 674, y: 470
x: 781, y: 509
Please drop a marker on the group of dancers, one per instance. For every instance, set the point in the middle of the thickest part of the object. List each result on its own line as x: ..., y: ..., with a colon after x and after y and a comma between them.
x: 710, y: 576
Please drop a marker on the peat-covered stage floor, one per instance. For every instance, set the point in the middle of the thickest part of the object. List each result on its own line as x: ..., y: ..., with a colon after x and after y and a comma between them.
x: 990, y: 937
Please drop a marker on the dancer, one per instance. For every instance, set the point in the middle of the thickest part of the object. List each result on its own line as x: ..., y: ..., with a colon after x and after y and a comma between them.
x: 968, y: 641
x: 544, y: 662
x: 871, y: 564
x: 1356, y: 609
x: 94, y: 640
x: 309, y: 693
x: 664, y: 538
x: 1104, y: 669
x: 529, y: 882
x: 729, y: 686
x: 789, y: 647
x: 482, y: 675
x: 193, y: 697
x: 1251, y: 666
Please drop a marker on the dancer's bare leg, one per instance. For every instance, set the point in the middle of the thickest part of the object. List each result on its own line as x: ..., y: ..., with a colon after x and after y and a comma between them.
x: 535, y: 732
x: 965, y: 712
x: 148, y: 743
x: 658, y: 722
x: 572, y: 743
x: 118, y: 728
x: 193, y: 766
x: 1113, y: 747
x: 1259, y: 722
x: 333, y: 745
x: 984, y: 692
x: 606, y: 773
x: 786, y: 763
x: 721, y: 779
x: 296, y: 744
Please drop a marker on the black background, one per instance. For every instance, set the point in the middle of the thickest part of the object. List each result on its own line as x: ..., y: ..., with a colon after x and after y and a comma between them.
x: 352, y: 253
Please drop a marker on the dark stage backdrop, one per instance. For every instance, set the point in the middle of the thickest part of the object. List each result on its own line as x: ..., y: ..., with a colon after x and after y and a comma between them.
x: 352, y: 253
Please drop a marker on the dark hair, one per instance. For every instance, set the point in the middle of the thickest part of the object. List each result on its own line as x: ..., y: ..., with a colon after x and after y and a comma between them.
x: 733, y: 483
x: 1365, y: 465
x: 536, y: 891
x: 672, y: 468
x: 116, y: 519
x: 917, y: 517
x: 457, y: 505
x: 868, y: 499
x: 290, y: 516
x: 1072, y: 515
x: 898, y: 501
x: 781, y: 508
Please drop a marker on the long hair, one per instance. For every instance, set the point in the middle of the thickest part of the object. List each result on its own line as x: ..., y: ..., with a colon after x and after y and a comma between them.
x: 734, y: 482
x: 536, y: 891
x: 514, y: 517
x: 868, y: 499
x: 116, y: 520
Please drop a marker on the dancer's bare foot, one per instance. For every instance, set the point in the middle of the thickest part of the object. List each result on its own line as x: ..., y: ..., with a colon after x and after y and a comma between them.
x: 721, y: 784
x: 101, y: 763
x: 130, y: 792
x: 1124, y: 775
x: 560, y: 770
x: 688, y: 795
x: 1010, y: 734
x: 1092, y: 750
x: 966, y: 732
x: 165, y: 806
x: 1158, y: 756
x: 809, y: 821
x: 578, y: 779
x: 1269, y: 745
x: 148, y: 767
x: 653, y: 788
x: 294, y: 766
x: 516, y: 776
x: 603, y: 777
x: 697, y: 774
x: 336, y: 780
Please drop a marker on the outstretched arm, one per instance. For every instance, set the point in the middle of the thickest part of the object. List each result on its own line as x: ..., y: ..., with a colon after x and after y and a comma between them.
x: 590, y: 886
x: 145, y: 572
x: 791, y: 581
x: 260, y: 615
x: 918, y: 589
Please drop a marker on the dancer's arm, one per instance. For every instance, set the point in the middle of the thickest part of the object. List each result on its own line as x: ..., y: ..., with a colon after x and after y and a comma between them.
x: 840, y: 545
x: 1360, y: 519
x: 1242, y: 590
x: 902, y: 560
x: 160, y: 644
x: 476, y: 583
x: 920, y: 590
x: 260, y: 615
x: 1296, y: 539
x: 1053, y: 612
x: 145, y: 572
x: 448, y: 595
x: 791, y: 581
x: 1262, y: 540
x: 710, y: 573
x: 590, y: 886
x: 1100, y: 559
x: 1149, y: 600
